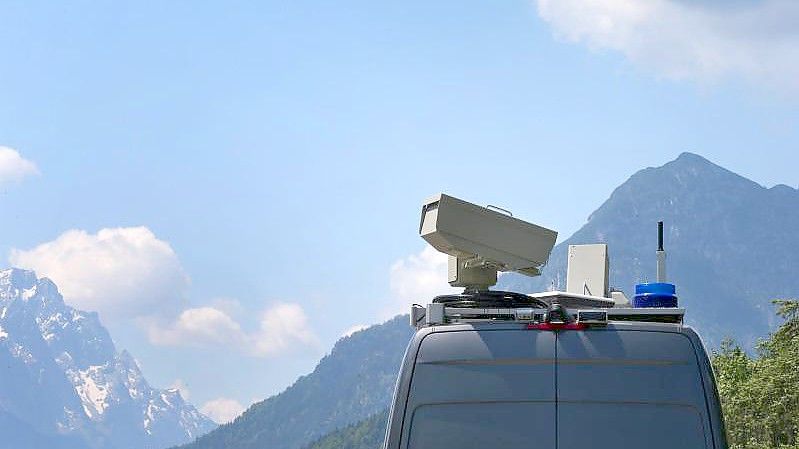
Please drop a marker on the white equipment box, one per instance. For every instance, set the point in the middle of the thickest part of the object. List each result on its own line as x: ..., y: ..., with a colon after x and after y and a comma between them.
x: 588, y: 270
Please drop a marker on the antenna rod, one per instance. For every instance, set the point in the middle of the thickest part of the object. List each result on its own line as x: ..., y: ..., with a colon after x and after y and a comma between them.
x: 661, y: 255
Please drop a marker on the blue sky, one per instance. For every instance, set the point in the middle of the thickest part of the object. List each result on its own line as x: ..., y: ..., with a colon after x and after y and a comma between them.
x: 257, y: 163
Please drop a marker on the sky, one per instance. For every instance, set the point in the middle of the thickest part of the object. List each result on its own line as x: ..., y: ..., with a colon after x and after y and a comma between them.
x: 233, y: 187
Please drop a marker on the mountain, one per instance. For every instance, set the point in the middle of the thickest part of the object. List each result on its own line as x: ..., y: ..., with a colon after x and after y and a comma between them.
x: 732, y: 245
x: 63, y: 384
x: 353, y: 382
x: 732, y: 248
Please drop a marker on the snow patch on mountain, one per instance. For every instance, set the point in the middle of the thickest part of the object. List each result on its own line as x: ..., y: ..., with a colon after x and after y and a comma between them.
x: 66, y: 380
x: 92, y: 388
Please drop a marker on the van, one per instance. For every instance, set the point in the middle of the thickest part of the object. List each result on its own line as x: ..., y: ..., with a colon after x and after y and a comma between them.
x: 584, y: 368
x: 631, y: 382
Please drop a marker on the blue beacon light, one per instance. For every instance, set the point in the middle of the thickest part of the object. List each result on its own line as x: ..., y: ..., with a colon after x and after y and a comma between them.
x: 660, y: 293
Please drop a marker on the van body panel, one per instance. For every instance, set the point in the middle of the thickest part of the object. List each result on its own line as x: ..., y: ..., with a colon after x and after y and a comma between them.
x: 719, y: 431
x: 484, y: 386
x: 628, y: 366
x: 498, y: 384
x: 484, y: 366
x: 634, y: 387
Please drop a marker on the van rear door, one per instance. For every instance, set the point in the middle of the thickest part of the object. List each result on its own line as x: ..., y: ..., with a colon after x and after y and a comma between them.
x: 485, y: 389
x: 630, y: 389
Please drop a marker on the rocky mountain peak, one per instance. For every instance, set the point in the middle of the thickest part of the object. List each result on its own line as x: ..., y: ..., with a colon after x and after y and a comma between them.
x: 16, y: 283
x: 61, y: 374
x: 17, y: 277
x: 731, y: 243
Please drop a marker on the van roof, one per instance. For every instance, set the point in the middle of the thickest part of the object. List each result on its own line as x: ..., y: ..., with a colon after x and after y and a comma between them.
x: 610, y: 326
x: 537, y: 309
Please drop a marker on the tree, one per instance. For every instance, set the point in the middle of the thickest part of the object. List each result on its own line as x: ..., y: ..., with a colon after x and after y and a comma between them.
x: 760, y: 395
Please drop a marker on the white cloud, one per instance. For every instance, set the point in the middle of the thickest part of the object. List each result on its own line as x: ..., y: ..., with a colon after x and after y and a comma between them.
x: 417, y: 279
x: 14, y: 167
x: 201, y: 326
x: 118, y: 272
x: 222, y: 410
x: 282, y: 328
x: 694, y: 40
x: 230, y: 306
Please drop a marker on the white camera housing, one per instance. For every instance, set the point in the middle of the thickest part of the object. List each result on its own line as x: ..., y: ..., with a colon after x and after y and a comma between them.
x: 481, y: 241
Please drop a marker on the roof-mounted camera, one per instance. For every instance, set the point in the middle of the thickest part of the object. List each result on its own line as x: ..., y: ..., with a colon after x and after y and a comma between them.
x: 481, y: 240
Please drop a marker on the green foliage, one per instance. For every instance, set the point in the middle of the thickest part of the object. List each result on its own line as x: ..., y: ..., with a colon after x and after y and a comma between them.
x: 760, y: 395
x: 367, y: 434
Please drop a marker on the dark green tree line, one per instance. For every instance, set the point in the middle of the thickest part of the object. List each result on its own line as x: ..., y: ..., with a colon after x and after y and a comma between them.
x: 760, y: 395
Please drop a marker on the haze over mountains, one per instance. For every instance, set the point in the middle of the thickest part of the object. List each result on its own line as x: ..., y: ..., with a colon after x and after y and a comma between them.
x: 353, y: 382
x: 732, y: 248
x: 63, y: 384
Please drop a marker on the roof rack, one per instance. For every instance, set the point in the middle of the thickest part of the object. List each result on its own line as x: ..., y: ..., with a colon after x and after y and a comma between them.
x: 541, y: 308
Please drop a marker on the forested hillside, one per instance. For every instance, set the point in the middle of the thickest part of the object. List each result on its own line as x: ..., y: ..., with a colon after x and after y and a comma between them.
x: 367, y: 434
x: 355, y: 381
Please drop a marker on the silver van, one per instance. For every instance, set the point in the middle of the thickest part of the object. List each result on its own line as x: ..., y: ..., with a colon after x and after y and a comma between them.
x: 512, y: 385
x: 575, y: 369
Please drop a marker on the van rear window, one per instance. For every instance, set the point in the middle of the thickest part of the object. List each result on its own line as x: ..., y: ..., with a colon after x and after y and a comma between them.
x: 503, y: 425
x: 629, y: 425
x: 531, y: 425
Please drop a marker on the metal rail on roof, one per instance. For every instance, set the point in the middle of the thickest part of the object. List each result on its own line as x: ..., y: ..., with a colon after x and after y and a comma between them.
x: 572, y: 307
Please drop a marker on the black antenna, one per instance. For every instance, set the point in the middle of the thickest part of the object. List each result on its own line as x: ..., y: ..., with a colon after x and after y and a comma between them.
x: 661, y: 255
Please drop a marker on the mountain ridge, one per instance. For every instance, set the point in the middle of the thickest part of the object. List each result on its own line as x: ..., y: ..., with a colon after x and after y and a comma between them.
x: 355, y: 380
x: 64, y: 380
x: 366, y: 434
x: 726, y: 236
x: 731, y: 250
